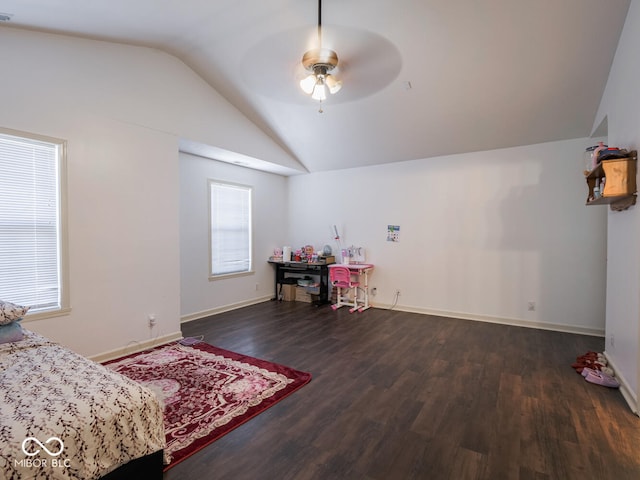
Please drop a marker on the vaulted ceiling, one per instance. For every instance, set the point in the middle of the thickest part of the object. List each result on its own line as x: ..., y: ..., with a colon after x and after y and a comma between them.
x: 421, y: 78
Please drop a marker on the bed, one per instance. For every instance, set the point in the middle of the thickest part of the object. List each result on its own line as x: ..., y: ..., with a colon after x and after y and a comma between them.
x: 63, y: 416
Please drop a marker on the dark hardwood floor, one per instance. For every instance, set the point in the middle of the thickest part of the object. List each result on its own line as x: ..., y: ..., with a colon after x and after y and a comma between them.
x: 398, y: 395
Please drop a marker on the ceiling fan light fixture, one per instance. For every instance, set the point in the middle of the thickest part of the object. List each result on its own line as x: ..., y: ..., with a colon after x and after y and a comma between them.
x: 320, y: 61
x: 333, y: 85
x: 307, y: 84
x: 319, y: 91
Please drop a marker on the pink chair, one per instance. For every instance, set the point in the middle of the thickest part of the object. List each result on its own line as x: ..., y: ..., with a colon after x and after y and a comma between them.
x: 341, y: 279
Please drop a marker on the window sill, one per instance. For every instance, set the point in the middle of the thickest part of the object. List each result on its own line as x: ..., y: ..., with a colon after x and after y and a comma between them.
x: 213, y: 278
x: 31, y: 317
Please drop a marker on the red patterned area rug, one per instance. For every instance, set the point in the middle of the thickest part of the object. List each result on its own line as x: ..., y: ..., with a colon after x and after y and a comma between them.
x: 207, y: 391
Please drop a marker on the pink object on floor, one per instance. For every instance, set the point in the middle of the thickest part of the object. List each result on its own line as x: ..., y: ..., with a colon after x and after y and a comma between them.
x: 600, y: 378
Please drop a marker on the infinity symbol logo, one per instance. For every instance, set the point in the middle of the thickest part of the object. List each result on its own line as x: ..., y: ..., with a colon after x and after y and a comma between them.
x: 42, y: 446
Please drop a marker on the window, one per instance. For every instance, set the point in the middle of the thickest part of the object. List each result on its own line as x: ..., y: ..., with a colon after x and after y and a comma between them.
x: 230, y: 227
x: 32, y: 234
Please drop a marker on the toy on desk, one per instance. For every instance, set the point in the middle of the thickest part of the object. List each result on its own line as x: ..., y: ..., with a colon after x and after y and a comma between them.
x: 357, y: 254
x: 277, y: 255
x: 341, y: 279
x: 353, y: 254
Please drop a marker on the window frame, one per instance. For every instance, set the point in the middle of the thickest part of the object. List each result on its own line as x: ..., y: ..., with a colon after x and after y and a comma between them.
x: 221, y: 276
x: 63, y: 236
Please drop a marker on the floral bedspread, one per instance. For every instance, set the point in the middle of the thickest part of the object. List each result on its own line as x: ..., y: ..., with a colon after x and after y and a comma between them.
x: 63, y: 416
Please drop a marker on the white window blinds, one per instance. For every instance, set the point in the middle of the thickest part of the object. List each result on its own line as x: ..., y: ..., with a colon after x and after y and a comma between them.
x: 30, y: 260
x: 230, y: 207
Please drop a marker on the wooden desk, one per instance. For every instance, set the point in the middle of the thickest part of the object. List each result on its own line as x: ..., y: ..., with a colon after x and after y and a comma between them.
x: 285, y: 270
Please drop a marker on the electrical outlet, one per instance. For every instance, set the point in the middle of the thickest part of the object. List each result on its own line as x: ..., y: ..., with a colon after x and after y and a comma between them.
x: 374, y: 291
x: 531, y: 306
x: 612, y: 340
x: 152, y: 320
x: 397, y: 292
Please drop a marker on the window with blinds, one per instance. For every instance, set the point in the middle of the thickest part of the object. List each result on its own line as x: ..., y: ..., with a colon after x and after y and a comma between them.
x: 32, y: 252
x: 230, y: 227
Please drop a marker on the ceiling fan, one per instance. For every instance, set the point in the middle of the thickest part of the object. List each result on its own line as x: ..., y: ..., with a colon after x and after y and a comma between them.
x: 319, y: 62
x: 368, y: 63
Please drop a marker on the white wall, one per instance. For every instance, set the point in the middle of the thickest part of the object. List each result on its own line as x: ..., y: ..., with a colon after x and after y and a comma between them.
x: 621, y: 105
x: 201, y: 297
x: 121, y: 110
x: 481, y: 235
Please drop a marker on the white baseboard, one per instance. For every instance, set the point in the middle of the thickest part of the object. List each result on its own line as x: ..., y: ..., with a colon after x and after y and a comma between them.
x: 556, y: 327
x: 628, y: 394
x: 136, y: 346
x: 225, y: 308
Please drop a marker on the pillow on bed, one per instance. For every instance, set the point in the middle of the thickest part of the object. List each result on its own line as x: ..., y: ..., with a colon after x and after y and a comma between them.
x: 11, y: 333
x: 10, y: 312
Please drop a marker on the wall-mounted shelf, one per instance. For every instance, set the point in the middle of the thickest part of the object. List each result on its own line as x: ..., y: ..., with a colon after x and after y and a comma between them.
x: 613, y: 182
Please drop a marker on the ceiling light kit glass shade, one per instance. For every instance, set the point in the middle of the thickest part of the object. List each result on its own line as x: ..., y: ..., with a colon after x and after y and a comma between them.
x: 319, y: 62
